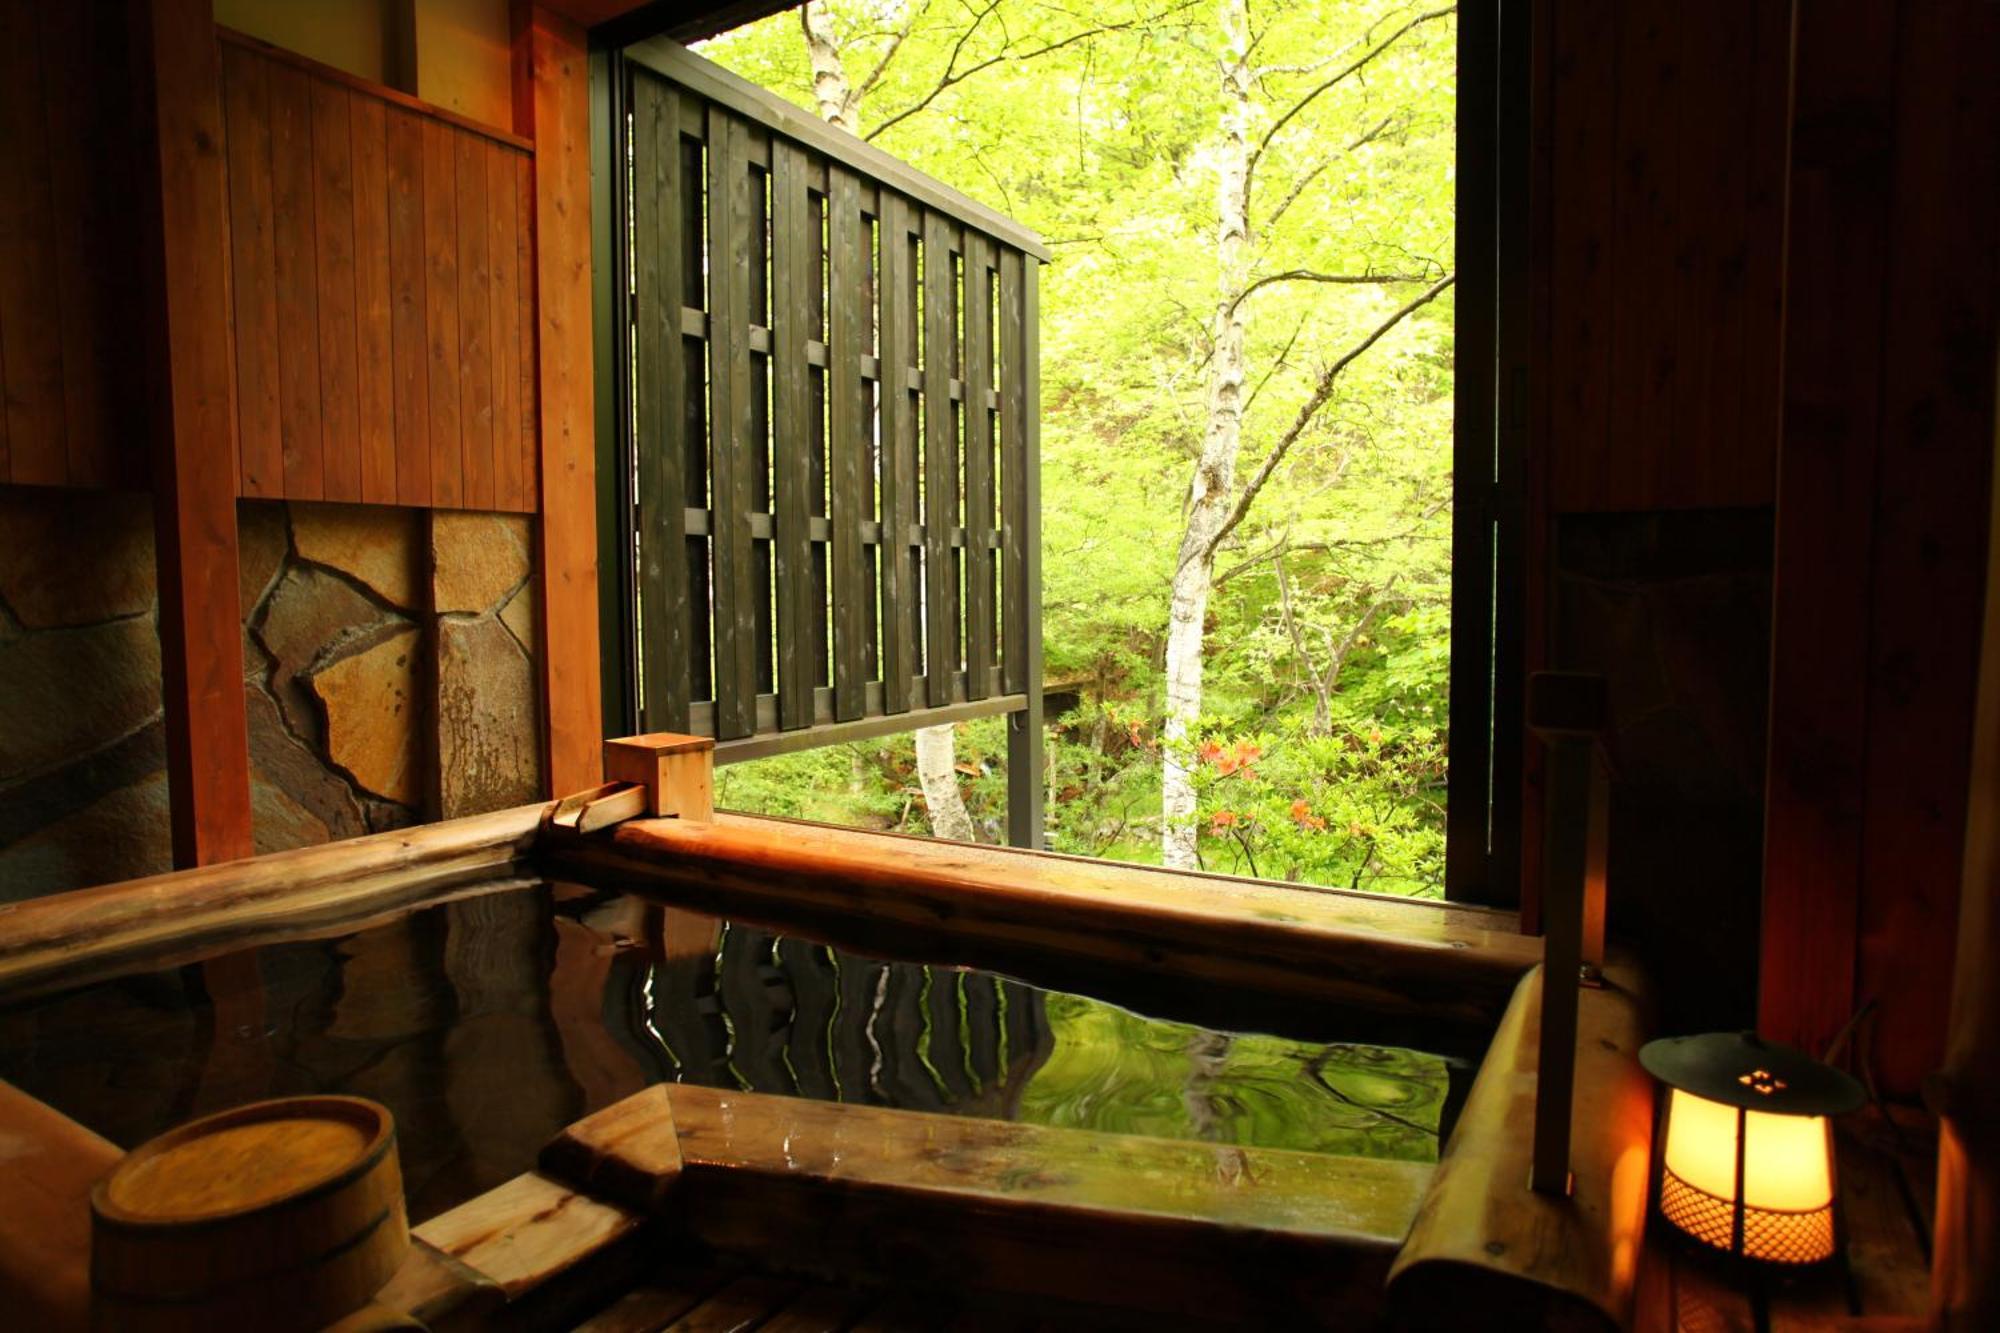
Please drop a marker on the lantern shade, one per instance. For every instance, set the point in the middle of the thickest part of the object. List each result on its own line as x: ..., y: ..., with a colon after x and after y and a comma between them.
x: 1747, y: 1161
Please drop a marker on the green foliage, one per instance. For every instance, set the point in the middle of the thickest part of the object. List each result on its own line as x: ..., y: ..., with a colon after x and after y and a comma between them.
x: 1097, y: 126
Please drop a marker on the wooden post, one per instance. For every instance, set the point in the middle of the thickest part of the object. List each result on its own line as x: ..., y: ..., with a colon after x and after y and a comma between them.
x: 1567, y: 710
x: 678, y: 770
x: 194, y: 447
x: 1021, y: 398
x: 552, y: 106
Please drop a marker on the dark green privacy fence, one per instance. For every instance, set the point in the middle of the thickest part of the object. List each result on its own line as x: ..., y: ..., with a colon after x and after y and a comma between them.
x: 830, y: 407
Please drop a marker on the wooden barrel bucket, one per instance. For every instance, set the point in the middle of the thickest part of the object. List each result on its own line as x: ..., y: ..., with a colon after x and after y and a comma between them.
x: 284, y: 1214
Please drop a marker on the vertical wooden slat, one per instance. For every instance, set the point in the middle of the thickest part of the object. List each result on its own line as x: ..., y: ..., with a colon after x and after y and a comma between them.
x: 91, y: 250
x: 848, y: 443
x: 941, y: 471
x: 899, y: 482
x: 659, y: 386
x: 374, y: 335
x: 253, y: 273
x: 1021, y: 338
x: 730, y: 221
x: 194, y: 458
x: 1013, y: 480
x: 30, y: 327
x: 296, y: 245
x: 409, y: 301
x: 509, y: 483
x: 527, y: 405
x: 790, y: 260
x: 441, y: 314
x: 333, y: 224
x: 475, y: 323
x: 979, y: 655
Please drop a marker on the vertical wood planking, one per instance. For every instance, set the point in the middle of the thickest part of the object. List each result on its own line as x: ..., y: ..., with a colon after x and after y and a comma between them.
x: 897, y: 348
x: 253, y: 274
x: 978, y: 377
x: 530, y: 382
x: 791, y: 255
x: 409, y: 301
x: 659, y: 387
x: 941, y: 471
x: 475, y: 324
x: 30, y: 325
x: 730, y: 221
x: 503, y: 256
x: 441, y: 314
x: 333, y: 226
x: 1013, y: 481
x: 848, y: 443
x: 1027, y: 782
x: 374, y: 335
x: 296, y: 245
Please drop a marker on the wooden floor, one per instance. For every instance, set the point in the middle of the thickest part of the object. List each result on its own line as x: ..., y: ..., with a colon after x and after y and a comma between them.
x: 1888, y: 1183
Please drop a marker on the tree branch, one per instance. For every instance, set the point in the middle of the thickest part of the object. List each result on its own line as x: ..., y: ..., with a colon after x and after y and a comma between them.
x: 1322, y: 391
x: 1336, y: 279
x: 896, y: 39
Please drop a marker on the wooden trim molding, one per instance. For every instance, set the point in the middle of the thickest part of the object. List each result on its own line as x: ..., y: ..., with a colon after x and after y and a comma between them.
x: 552, y: 107
x: 178, y: 64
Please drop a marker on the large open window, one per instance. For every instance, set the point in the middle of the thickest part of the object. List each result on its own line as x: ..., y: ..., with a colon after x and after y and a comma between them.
x: 1248, y: 434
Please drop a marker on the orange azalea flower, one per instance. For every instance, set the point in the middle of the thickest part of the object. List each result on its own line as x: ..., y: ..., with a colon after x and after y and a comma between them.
x: 1221, y: 820
x: 1303, y: 816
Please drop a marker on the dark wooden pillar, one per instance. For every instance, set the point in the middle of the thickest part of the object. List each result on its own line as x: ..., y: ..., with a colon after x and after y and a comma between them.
x: 191, y: 385
x: 552, y: 106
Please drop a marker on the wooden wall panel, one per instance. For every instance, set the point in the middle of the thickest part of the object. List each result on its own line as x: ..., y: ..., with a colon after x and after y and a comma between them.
x: 377, y: 256
x: 68, y: 250
x: 1665, y: 124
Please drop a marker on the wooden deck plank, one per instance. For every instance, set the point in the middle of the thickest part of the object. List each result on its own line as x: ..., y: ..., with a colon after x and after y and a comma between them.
x: 527, y: 1232
x: 741, y: 1305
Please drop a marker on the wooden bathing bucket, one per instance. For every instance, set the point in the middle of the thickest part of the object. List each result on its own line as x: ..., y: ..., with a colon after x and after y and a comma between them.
x: 284, y: 1214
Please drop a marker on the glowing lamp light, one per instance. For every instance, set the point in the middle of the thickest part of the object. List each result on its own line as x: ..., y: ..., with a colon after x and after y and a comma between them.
x: 1747, y: 1161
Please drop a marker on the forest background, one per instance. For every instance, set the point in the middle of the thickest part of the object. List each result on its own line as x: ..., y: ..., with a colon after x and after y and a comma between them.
x: 1246, y: 415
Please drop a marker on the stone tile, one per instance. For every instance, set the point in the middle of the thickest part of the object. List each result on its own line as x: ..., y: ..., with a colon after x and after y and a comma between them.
x: 381, y: 546
x: 280, y: 759
x: 477, y: 559
x: 68, y: 692
x: 75, y: 557
x: 488, y: 719
x: 519, y: 616
x: 372, y: 717
x: 263, y: 540
x: 310, y: 614
x: 122, y: 835
x: 277, y: 822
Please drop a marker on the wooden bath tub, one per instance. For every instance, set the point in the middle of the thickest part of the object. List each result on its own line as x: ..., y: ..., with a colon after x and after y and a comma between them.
x: 663, y: 1195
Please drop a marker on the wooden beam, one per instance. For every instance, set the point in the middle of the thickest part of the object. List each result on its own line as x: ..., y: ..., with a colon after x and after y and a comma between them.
x: 194, y: 448
x: 677, y: 771
x: 943, y: 901
x: 552, y: 107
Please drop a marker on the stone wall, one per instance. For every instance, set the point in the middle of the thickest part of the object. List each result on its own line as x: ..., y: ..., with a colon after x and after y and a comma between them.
x: 389, y: 676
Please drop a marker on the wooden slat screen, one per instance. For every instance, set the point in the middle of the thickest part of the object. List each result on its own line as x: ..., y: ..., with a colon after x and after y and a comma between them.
x: 382, y: 280
x: 833, y: 432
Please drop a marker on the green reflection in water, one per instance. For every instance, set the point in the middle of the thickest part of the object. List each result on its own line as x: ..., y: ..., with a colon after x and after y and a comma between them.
x: 1113, y: 1070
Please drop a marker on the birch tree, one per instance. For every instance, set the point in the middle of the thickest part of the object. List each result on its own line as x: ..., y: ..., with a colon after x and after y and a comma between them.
x: 1216, y: 505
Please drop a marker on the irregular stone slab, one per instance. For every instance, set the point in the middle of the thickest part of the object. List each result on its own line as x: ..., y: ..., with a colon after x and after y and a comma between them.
x: 308, y: 613
x: 263, y: 540
x: 477, y: 559
x: 122, y: 835
x: 68, y: 692
x: 519, y: 616
x: 489, y: 738
x: 277, y: 822
x: 370, y: 699
x: 379, y: 545
x: 49, y: 581
x: 281, y: 759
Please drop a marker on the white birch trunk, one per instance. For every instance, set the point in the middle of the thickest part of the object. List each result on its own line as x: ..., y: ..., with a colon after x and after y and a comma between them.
x: 937, y: 747
x: 1213, y: 490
